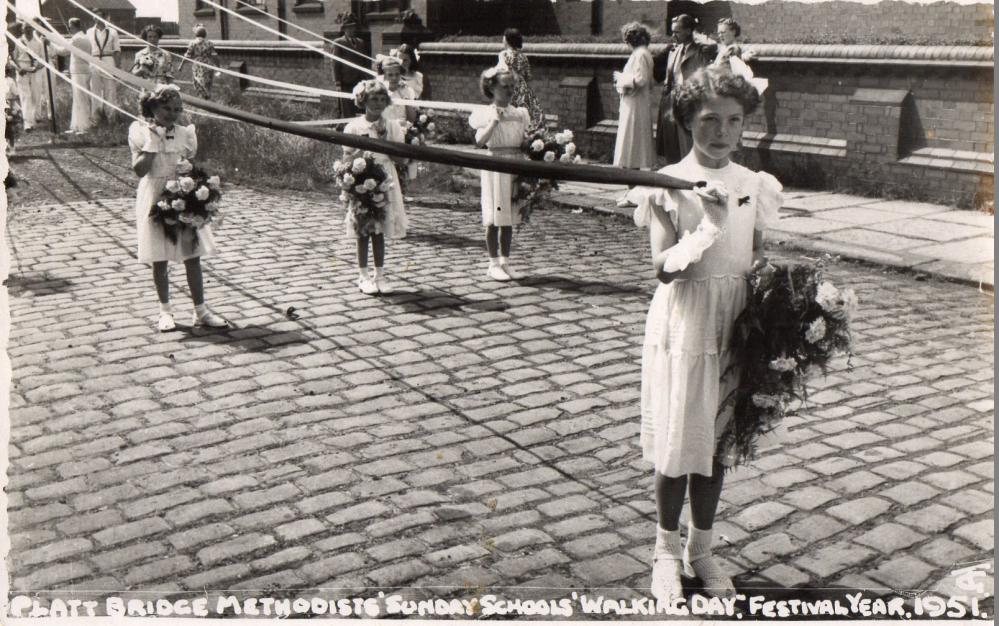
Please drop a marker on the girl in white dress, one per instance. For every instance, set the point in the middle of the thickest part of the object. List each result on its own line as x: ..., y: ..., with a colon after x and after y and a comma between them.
x: 373, y: 97
x: 704, y: 242
x: 500, y: 128
x: 410, y: 73
x: 390, y: 74
x: 157, y: 145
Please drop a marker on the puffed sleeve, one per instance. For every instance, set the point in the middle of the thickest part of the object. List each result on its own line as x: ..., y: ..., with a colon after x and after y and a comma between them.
x: 653, y: 201
x: 138, y: 133
x: 481, y: 117
x: 189, y: 147
x: 769, y: 201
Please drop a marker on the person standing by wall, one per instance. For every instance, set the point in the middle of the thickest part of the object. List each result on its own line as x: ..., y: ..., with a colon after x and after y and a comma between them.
x: 633, y: 148
x: 31, y: 77
x: 106, y: 48
x: 153, y: 62
x: 345, y: 77
x: 79, y: 72
x: 686, y: 56
x: 523, y: 96
x: 203, y: 51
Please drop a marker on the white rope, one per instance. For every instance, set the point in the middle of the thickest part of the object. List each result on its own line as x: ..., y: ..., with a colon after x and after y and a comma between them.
x: 301, y: 43
x: 304, y: 30
x: 69, y: 80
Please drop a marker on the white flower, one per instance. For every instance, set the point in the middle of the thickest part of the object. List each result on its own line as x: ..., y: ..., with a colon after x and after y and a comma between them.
x: 359, y: 165
x: 198, y: 221
x: 360, y: 189
x: 202, y: 193
x: 163, y: 204
x: 765, y: 401
x: 849, y: 302
x: 172, y: 186
x: 561, y: 139
x: 214, y: 182
x: 549, y: 156
x: 212, y: 207
x: 424, y: 118
x: 185, y: 218
x: 378, y: 197
x: 568, y: 135
x: 339, y: 167
x: 827, y: 296
x: 385, y: 186
x: 187, y: 184
x: 348, y: 180
x: 431, y: 127
x: 816, y: 331
x: 344, y: 197
x: 179, y: 205
x: 577, y: 159
x: 537, y: 145
x: 415, y: 141
x: 784, y: 364
x: 184, y: 166
x: 367, y: 154
x: 570, y: 148
x: 565, y: 158
x: 370, y: 184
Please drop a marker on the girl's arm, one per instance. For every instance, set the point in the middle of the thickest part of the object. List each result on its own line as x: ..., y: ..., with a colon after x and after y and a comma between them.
x: 759, y: 254
x: 145, y: 147
x: 142, y: 163
x: 663, y: 237
x: 483, y: 135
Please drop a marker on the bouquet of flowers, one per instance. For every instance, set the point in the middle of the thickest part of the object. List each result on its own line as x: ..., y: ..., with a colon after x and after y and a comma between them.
x: 422, y: 129
x: 794, y: 321
x: 542, y: 145
x: 363, y: 187
x: 189, y: 201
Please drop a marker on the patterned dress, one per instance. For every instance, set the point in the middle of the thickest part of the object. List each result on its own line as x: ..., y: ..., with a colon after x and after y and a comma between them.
x: 523, y: 95
x: 202, y: 51
x: 154, y: 64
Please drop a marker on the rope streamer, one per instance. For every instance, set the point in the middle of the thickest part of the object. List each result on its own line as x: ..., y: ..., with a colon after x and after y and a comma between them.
x: 515, y: 166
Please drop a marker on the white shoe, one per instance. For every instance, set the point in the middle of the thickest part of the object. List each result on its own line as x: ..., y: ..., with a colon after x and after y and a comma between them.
x: 383, y: 285
x: 166, y: 323
x: 624, y: 203
x: 716, y: 583
x: 367, y: 286
x: 666, y: 584
x: 209, y: 320
x: 496, y: 272
x: 512, y: 273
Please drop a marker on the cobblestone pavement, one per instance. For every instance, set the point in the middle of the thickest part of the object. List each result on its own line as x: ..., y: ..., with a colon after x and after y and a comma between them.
x: 458, y: 434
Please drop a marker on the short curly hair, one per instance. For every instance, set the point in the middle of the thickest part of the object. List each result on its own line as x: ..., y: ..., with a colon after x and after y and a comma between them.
x: 711, y: 82
x: 731, y: 24
x: 636, y: 34
x: 365, y: 89
x: 489, y: 78
x: 151, y: 28
x: 149, y: 100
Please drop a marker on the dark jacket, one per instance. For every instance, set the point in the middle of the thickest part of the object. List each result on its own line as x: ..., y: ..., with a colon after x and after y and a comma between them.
x: 672, y: 141
x: 346, y: 75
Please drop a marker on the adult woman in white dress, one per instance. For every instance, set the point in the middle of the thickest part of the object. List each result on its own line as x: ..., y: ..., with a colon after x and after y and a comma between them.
x: 634, y: 148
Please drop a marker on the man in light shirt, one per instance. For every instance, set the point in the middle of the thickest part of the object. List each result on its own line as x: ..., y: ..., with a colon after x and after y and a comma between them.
x: 79, y: 72
x: 31, y: 77
x: 105, y: 47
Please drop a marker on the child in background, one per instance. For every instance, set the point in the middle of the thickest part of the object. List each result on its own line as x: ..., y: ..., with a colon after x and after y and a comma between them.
x: 500, y: 128
x: 410, y: 74
x: 157, y: 145
x: 13, y: 117
x: 373, y: 97
x: 390, y: 74
x: 704, y: 242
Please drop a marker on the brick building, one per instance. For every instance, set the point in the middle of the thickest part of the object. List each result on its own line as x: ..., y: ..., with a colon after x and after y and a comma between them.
x: 120, y: 12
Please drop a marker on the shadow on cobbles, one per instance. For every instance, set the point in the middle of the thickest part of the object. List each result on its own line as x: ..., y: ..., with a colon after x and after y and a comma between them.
x: 38, y: 283
x: 442, y: 302
x: 251, y: 338
x: 565, y: 283
x: 444, y: 240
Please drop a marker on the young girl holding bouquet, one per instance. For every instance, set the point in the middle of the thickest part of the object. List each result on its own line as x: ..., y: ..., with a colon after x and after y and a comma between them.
x: 157, y: 146
x: 373, y: 97
x: 501, y: 128
x: 704, y: 242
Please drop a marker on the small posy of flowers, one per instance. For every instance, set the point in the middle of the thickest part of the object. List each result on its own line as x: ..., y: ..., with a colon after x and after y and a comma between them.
x: 795, y: 322
x: 189, y: 201
x: 364, y: 187
x: 550, y: 147
x: 422, y: 130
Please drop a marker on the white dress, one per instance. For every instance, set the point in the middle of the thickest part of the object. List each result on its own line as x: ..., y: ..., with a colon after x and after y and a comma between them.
x: 414, y: 81
x: 691, y: 320
x: 497, y: 188
x: 398, y: 111
x: 153, y: 242
x: 79, y: 71
x: 634, y: 147
x: 396, y: 222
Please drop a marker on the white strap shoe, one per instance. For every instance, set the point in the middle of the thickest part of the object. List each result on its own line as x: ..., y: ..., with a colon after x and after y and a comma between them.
x: 166, y: 323
x: 496, y: 272
x: 666, y: 584
x: 383, y: 285
x: 367, y: 286
x: 512, y: 273
x: 209, y: 320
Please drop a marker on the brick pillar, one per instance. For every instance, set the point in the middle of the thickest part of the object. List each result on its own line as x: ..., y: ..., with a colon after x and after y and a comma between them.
x: 577, y: 102
x: 875, y: 124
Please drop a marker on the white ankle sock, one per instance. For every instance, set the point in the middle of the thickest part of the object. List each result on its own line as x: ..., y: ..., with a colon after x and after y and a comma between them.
x: 379, y: 272
x: 493, y: 261
x: 503, y: 260
x: 698, y: 542
x: 668, y: 543
x: 363, y: 272
x: 165, y: 308
x: 201, y: 309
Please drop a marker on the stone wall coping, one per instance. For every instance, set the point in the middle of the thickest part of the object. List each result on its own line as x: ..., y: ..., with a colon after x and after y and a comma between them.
x: 233, y: 44
x: 974, y: 56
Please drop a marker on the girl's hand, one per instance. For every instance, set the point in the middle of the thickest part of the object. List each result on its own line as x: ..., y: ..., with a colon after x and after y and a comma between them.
x: 714, y: 199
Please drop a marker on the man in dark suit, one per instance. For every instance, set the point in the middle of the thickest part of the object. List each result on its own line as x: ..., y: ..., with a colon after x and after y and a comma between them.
x: 350, y: 47
x: 684, y: 57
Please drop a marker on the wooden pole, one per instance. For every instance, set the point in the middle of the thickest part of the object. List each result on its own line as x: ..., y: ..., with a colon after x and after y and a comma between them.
x: 48, y: 78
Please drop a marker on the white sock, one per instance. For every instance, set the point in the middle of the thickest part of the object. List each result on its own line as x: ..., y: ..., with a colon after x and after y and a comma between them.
x: 165, y: 308
x: 363, y: 272
x: 379, y: 272
x: 698, y: 542
x: 668, y: 543
x: 201, y: 309
x: 503, y: 260
x: 493, y: 261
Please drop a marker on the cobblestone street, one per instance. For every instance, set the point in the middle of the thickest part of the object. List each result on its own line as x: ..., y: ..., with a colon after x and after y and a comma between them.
x: 460, y: 433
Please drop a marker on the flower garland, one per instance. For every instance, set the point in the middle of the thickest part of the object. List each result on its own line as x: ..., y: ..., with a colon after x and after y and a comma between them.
x: 794, y: 321
x: 422, y: 130
x: 548, y: 146
x: 363, y: 187
x: 189, y: 201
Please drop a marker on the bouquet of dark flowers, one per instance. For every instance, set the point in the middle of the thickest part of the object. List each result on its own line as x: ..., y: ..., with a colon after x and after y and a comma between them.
x: 189, y: 201
x: 794, y: 321
x: 364, y: 185
x: 542, y: 145
x: 422, y: 130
